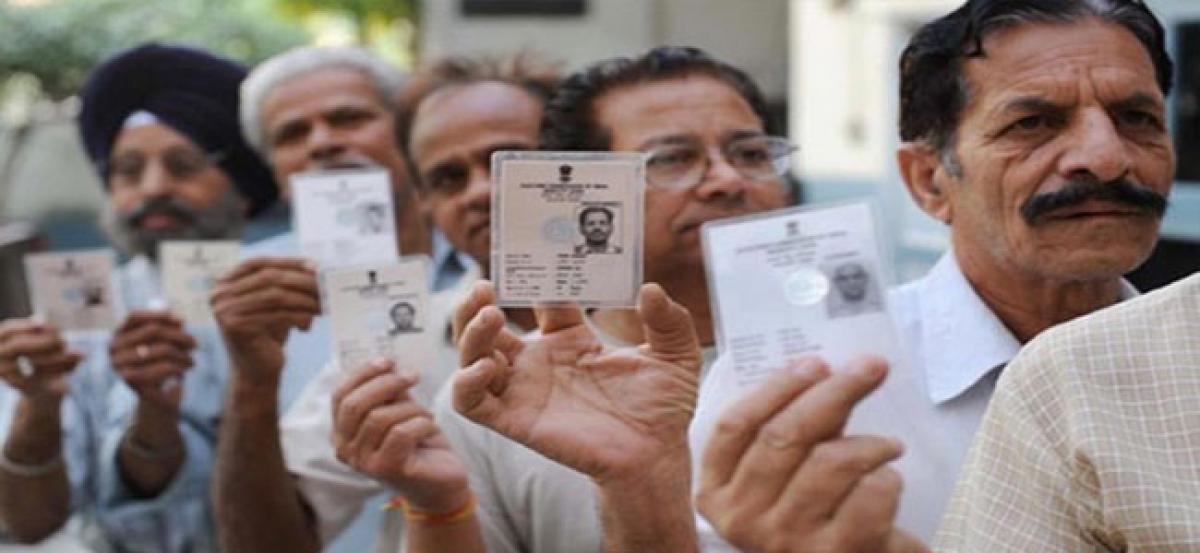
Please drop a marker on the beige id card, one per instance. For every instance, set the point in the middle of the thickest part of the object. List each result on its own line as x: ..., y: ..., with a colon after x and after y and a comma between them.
x: 382, y: 311
x: 190, y: 269
x: 75, y: 290
x: 567, y: 227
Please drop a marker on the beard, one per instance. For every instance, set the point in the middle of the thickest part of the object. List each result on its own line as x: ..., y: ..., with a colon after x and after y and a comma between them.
x: 224, y: 220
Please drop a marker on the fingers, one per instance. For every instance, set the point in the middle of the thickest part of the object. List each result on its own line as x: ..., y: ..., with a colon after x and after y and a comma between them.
x: 251, y: 266
x: 482, y: 294
x: 669, y: 330
x: 360, y: 376
x: 380, y: 424
x: 817, y: 415
x: 380, y: 390
x: 740, y: 423
x: 557, y: 317
x: 831, y: 471
x: 143, y: 355
x: 141, y: 317
x: 865, y: 519
x: 473, y: 396
x: 479, y: 337
x: 152, y: 332
x: 31, y: 341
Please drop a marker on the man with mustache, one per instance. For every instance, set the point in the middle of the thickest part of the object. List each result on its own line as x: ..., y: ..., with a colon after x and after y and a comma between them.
x: 278, y: 484
x: 159, y: 122
x: 1035, y: 130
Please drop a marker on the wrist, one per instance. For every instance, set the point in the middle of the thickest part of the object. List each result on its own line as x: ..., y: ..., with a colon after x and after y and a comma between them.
x: 154, y: 428
x: 439, y: 503
x: 667, y: 469
x: 251, y: 398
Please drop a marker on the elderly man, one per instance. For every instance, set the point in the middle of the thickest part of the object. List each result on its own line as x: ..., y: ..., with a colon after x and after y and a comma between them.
x: 160, y: 124
x: 1035, y: 130
x: 623, y: 453
x: 480, y: 107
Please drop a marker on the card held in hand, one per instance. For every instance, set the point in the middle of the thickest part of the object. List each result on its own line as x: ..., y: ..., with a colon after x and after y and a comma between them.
x: 567, y: 227
x: 190, y: 269
x: 344, y: 217
x: 75, y: 290
x: 381, y: 310
x: 797, y: 282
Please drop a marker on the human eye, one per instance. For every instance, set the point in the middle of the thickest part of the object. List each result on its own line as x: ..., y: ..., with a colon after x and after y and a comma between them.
x: 1139, y: 119
x: 670, y: 159
x: 447, y: 180
x: 348, y: 117
x: 288, y: 134
x: 750, y: 153
x: 126, y: 169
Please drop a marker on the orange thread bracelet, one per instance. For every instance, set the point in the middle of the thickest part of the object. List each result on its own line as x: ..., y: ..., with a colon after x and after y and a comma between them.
x: 423, y: 517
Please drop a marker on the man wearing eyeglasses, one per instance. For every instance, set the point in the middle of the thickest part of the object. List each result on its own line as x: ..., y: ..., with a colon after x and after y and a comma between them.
x: 706, y: 130
x: 160, y: 124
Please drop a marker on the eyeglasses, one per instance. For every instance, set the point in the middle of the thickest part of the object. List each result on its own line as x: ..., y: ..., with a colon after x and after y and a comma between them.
x: 180, y: 164
x: 682, y: 166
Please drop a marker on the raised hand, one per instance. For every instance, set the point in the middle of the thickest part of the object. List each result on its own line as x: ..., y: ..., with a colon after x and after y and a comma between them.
x: 150, y: 351
x: 382, y: 432
x: 257, y: 305
x: 605, y: 412
x: 34, y: 359
x: 778, y: 475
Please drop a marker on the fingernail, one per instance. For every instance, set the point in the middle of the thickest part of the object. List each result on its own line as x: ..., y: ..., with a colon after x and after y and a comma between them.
x: 869, y: 371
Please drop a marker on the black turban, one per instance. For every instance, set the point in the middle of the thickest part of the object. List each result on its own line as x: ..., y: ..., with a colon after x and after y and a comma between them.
x: 193, y: 92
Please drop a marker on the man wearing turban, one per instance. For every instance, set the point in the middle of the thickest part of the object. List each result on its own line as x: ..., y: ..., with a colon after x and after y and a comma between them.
x: 159, y: 123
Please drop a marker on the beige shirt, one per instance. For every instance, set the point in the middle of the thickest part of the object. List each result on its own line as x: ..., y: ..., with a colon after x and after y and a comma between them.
x: 1092, y: 439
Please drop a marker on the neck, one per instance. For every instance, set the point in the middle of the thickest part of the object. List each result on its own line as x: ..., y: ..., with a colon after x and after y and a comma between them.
x: 686, y: 287
x: 414, y: 235
x: 1028, y: 303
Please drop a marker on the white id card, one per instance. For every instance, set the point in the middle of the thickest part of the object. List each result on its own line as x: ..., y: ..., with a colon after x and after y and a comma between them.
x: 797, y: 282
x: 567, y: 227
x: 381, y: 310
x: 344, y: 217
x: 75, y: 290
x: 190, y: 269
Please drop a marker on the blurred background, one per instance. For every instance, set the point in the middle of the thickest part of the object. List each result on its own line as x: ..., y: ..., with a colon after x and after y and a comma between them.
x: 827, y: 66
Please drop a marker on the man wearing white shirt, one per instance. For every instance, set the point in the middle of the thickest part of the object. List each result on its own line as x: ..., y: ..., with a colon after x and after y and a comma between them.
x: 1052, y: 175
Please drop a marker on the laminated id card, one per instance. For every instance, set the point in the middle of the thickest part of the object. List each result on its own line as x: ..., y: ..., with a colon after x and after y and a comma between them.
x: 344, y: 217
x: 567, y: 227
x: 797, y: 282
x: 381, y: 310
x: 190, y: 269
x: 75, y: 290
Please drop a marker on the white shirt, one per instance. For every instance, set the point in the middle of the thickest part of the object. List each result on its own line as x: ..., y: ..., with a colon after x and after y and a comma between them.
x: 933, y: 401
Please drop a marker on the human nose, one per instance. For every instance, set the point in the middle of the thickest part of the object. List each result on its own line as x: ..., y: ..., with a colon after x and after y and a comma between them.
x: 720, y: 179
x: 324, y: 143
x: 1097, y: 150
x: 155, y: 180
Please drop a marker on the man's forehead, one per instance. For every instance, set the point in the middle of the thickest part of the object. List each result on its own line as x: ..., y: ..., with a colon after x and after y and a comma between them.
x: 1054, y: 60
x: 321, y: 90
x: 489, y: 111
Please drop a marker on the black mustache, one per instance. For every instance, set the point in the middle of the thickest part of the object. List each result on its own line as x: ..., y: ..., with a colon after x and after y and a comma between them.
x: 160, y: 205
x: 1079, y: 191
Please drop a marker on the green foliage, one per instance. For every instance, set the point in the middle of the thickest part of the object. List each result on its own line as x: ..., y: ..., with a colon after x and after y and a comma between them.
x: 58, y: 43
x: 370, y: 17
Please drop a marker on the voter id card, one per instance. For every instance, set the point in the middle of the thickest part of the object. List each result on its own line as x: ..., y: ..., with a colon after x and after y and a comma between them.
x: 567, y: 227
x: 75, y: 290
x: 381, y: 310
x: 344, y: 217
x: 190, y: 269
x: 797, y: 282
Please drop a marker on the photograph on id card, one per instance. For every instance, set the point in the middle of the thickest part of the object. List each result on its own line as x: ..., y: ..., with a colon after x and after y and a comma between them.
x: 75, y: 290
x: 381, y: 310
x: 190, y: 269
x: 344, y: 217
x: 567, y: 227
x: 796, y: 282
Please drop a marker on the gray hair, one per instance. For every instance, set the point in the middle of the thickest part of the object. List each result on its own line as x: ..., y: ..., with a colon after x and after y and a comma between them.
x: 299, y: 61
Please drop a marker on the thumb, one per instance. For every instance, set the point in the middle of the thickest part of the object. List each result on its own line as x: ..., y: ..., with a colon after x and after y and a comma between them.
x: 668, y: 326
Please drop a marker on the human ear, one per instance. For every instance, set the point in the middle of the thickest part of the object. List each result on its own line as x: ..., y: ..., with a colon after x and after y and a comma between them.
x: 921, y: 168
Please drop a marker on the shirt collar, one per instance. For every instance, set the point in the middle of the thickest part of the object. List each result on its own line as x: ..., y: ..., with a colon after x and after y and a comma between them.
x: 962, y: 339
x: 449, y: 264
